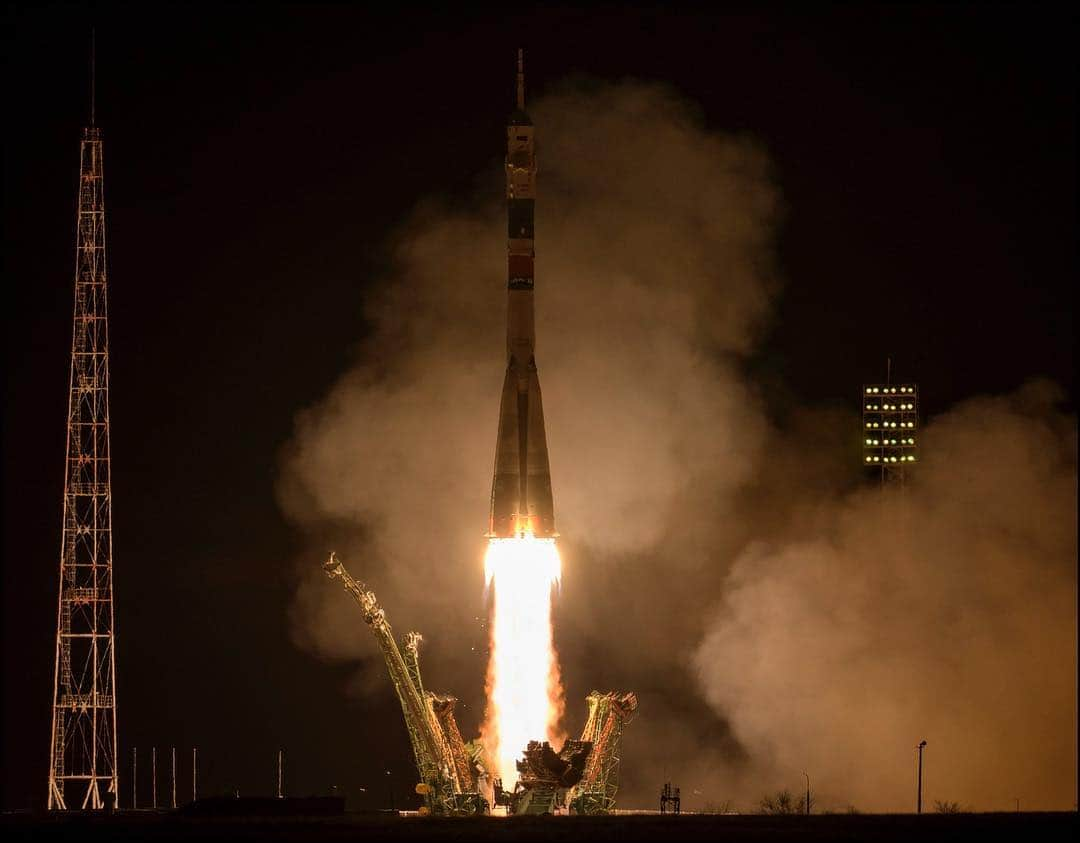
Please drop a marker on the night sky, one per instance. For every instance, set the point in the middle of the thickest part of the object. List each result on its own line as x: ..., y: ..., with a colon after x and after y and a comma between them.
x: 257, y: 162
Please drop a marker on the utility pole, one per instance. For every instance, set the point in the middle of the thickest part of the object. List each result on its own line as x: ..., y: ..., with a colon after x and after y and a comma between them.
x: 194, y: 773
x: 83, y: 742
x: 918, y: 802
x: 807, y: 793
x: 174, y: 777
x: 281, y: 774
x: 153, y: 777
x: 134, y: 777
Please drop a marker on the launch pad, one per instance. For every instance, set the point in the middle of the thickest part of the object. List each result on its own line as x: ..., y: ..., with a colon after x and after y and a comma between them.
x: 454, y: 777
x: 888, y: 828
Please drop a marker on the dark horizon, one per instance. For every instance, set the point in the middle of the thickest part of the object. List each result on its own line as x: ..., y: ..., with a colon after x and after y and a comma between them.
x: 259, y: 167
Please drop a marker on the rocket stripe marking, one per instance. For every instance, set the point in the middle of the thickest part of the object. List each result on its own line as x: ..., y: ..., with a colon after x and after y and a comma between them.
x: 520, y: 266
x: 519, y: 215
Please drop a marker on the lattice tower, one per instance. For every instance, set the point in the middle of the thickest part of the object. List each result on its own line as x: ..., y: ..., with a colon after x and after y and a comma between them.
x: 83, y: 760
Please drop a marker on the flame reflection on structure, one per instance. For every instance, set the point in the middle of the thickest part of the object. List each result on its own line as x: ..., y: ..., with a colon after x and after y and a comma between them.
x: 525, y: 697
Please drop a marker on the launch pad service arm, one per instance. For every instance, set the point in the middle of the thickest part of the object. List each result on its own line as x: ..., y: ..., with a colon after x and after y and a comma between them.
x: 430, y: 759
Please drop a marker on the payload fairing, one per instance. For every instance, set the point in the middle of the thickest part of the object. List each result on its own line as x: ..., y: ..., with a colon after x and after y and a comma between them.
x: 521, y: 502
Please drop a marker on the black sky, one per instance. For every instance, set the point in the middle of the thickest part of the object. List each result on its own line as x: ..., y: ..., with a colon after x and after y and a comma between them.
x: 256, y: 162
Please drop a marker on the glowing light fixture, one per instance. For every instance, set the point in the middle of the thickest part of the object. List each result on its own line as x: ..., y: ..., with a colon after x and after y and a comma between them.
x: 893, y: 452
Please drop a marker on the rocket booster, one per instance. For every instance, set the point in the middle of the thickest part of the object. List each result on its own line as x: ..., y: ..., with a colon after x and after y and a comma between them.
x: 521, y: 500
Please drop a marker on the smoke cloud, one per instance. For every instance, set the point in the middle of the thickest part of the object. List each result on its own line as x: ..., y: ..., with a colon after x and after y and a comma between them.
x: 946, y: 612
x: 769, y: 620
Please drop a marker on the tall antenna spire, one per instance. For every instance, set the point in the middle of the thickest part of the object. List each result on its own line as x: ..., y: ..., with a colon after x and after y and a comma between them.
x: 83, y: 749
x: 93, y: 75
x: 521, y: 80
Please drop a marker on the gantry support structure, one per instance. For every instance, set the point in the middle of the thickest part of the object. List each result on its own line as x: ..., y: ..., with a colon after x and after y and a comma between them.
x: 82, y: 749
x: 448, y: 781
x: 608, y: 716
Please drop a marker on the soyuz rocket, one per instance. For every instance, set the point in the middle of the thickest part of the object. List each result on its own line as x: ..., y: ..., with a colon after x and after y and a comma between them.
x: 521, y: 500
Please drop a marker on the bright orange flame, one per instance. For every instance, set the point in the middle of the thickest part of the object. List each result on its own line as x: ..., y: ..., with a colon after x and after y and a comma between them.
x: 525, y: 697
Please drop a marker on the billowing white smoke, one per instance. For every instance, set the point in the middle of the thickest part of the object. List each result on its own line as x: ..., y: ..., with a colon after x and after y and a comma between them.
x: 768, y: 622
x: 945, y: 613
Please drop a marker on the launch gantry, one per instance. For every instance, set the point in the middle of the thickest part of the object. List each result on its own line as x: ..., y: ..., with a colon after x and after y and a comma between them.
x: 545, y: 777
x: 583, y: 777
x: 608, y: 715
x: 449, y: 777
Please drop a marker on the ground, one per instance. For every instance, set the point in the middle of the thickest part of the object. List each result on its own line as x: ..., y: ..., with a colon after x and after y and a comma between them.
x: 839, y: 827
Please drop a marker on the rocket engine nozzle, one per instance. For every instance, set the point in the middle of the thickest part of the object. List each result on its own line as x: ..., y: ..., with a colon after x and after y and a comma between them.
x: 521, y: 526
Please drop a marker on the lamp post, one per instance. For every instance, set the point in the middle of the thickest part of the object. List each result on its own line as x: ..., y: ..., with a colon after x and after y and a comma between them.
x: 390, y: 784
x: 918, y: 802
x: 807, y: 793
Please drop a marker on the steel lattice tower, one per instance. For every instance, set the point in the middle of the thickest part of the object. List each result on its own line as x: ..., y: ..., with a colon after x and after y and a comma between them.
x: 82, y: 751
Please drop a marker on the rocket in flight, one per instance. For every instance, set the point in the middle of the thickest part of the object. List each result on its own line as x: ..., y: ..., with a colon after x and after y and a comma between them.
x: 521, y: 502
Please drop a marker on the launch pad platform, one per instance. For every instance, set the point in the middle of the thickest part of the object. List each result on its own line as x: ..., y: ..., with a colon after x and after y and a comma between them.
x: 151, y: 827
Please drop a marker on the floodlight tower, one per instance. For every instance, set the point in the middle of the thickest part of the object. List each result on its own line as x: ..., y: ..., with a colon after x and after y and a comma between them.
x: 890, y: 417
x: 82, y: 750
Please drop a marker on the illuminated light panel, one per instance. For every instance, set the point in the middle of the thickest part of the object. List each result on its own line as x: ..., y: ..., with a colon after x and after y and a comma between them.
x: 894, y: 414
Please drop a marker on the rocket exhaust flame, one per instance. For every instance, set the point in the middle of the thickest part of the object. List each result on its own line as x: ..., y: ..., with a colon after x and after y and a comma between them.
x: 522, y: 565
x: 525, y: 698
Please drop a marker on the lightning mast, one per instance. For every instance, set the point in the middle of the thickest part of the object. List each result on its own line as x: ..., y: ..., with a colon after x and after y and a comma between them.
x: 82, y: 749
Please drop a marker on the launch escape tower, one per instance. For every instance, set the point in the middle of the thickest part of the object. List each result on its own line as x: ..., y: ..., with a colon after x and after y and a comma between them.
x: 82, y: 750
x: 890, y: 417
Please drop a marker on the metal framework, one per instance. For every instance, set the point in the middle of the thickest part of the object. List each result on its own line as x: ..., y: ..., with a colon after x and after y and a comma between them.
x: 545, y: 777
x: 82, y: 749
x: 890, y: 429
x: 448, y: 782
x: 608, y: 715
